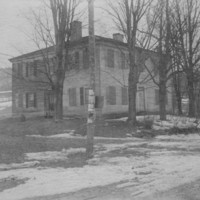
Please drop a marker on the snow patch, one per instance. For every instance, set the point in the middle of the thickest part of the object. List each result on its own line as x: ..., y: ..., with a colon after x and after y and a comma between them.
x: 54, y: 155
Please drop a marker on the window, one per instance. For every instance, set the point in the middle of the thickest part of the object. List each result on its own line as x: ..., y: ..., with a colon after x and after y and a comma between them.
x: 82, y: 99
x: 31, y: 68
x: 111, y: 95
x: 27, y: 69
x: 110, y: 58
x: 85, y: 58
x: 77, y: 60
x: 31, y: 100
x: 124, y: 96
x: 35, y: 66
x: 83, y: 96
x: 72, y: 96
x: 123, y: 60
x: 19, y: 69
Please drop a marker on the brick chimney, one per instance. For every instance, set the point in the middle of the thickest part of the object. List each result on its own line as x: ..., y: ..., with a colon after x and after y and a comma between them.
x: 118, y: 37
x: 76, y: 30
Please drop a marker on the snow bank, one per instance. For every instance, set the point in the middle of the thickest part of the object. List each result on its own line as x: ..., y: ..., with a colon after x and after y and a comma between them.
x: 18, y: 165
x: 53, y: 155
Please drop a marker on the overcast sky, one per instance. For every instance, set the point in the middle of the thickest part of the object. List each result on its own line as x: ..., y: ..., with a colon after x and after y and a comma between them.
x: 14, y: 27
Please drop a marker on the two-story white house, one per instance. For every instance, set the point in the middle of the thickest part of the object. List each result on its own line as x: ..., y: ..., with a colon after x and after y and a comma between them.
x: 111, y: 79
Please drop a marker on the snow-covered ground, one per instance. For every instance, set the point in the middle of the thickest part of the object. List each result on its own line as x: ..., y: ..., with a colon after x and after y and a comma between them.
x: 6, y: 104
x: 172, y: 121
x: 148, y: 165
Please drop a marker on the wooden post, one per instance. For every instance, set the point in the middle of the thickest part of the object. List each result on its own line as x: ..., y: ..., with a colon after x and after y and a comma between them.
x: 91, y: 109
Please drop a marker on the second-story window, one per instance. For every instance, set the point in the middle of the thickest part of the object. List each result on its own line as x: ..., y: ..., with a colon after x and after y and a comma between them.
x: 123, y: 60
x: 31, y: 68
x: 31, y: 100
x: 85, y: 58
x: 19, y: 69
x: 35, y: 65
x: 77, y: 60
x: 110, y: 58
x: 27, y: 69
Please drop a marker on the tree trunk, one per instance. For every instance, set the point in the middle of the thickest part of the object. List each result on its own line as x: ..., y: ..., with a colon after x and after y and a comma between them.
x: 177, y: 89
x: 179, y: 103
x: 191, y: 97
x: 162, y: 99
x: 58, y: 107
x: 162, y: 87
x: 132, y: 91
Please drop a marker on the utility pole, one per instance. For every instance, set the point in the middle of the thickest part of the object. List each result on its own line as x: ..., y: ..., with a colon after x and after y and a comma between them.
x: 91, y: 98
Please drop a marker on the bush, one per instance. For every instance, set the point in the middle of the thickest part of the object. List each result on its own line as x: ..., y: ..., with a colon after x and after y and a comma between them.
x: 148, y: 123
x: 177, y: 130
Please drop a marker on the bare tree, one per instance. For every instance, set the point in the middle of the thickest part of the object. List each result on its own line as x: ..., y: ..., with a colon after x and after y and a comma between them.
x: 52, y: 32
x: 187, y: 23
x: 127, y: 14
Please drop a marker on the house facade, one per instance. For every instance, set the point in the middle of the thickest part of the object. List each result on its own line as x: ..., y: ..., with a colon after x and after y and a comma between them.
x: 31, y: 92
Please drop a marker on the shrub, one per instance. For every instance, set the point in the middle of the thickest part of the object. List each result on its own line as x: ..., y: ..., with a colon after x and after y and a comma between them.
x: 148, y: 123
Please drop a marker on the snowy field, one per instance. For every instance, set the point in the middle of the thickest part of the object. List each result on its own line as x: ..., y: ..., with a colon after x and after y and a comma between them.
x: 139, y: 166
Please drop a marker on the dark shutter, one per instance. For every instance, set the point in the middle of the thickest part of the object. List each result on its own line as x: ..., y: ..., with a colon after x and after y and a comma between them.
x: 85, y: 58
x: 35, y: 67
x: 124, y: 96
x: 82, y: 96
x: 19, y: 70
x: 123, y: 61
x: 27, y: 100
x: 110, y: 58
x: 35, y: 100
x: 27, y: 69
x: 77, y: 59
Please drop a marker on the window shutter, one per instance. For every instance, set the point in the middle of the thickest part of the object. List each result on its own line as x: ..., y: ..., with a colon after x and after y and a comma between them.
x: 27, y: 99
x: 123, y: 60
x: 77, y: 59
x: 82, y: 96
x: 19, y: 69
x: 35, y: 67
x: 110, y: 58
x: 35, y: 100
x: 85, y: 58
x: 124, y: 96
x: 27, y: 69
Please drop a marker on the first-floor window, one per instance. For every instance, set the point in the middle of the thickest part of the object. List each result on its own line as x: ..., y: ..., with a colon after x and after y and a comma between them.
x: 83, y: 96
x: 124, y: 96
x: 72, y: 96
x: 111, y: 95
x: 31, y: 100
